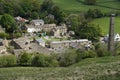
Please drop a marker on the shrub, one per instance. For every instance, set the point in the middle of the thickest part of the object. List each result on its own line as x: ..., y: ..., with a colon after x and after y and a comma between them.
x: 117, y: 48
x: 25, y: 59
x: 4, y: 35
x: 79, y: 55
x: 93, y: 13
x: 42, y: 60
x: 101, y: 50
x: 39, y: 60
x: 68, y: 58
x: 52, y: 60
x: 88, y: 54
x: 8, y: 61
x: 17, y: 35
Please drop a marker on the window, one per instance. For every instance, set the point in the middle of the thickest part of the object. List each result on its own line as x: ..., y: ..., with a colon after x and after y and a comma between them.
x: 26, y: 43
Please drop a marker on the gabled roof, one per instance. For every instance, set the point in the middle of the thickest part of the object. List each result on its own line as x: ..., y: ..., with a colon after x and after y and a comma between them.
x: 34, y: 47
x: 32, y: 26
x: 30, y: 46
x: 49, y: 25
x: 69, y: 41
x: 117, y: 35
x: 20, y: 19
x: 40, y: 40
x: 37, y: 20
x: 22, y: 41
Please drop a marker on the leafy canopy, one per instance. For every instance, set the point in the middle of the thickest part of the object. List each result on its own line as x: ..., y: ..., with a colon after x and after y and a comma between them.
x: 8, y: 22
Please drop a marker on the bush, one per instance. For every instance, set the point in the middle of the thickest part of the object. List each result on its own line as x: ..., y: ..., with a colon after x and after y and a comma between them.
x: 101, y: 50
x: 25, y: 59
x: 17, y: 35
x: 8, y: 61
x: 42, y: 60
x: 52, y: 61
x: 88, y: 54
x: 4, y: 35
x: 79, y: 55
x: 93, y: 13
x: 39, y: 60
x: 68, y: 58
x: 117, y: 48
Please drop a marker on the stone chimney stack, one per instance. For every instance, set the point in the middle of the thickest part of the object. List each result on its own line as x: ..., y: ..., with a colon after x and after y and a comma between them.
x: 111, y: 35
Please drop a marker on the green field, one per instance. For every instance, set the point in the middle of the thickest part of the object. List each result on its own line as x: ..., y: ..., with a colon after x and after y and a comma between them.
x: 78, y: 6
x: 106, y: 68
x: 105, y: 22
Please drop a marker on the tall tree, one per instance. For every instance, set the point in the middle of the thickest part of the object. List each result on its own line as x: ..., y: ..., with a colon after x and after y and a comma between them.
x: 89, y: 31
x: 48, y: 7
x: 8, y: 22
x: 30, y: 6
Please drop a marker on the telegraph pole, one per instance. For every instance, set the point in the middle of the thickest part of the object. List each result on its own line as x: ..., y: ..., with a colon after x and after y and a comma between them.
x: 111, y: 35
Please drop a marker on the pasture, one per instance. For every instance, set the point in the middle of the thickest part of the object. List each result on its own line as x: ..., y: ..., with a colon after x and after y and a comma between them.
x: 77, y: 6
x: 105, y: 68
x: 104, y: 23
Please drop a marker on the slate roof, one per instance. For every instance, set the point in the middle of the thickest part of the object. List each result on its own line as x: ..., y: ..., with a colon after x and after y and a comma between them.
x: 34, y: 47
x: 40, y: 40
x: 37, y: 21
x: 22, y: 41
x: 30, y: 46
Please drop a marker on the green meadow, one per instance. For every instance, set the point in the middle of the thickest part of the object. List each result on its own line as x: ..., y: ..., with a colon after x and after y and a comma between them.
x: 105, y: 68
x: 104, y: 23
x: 79, y: 6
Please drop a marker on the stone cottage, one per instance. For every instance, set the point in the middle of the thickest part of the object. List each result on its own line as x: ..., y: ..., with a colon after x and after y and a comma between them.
x: 27, y: 45
x: 59, y: 31
x: 60, y: 46
x: 32, y: 28
x: 48, y: 27
x: 37, y: 22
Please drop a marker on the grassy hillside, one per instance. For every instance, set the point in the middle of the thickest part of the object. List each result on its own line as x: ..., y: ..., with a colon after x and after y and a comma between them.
x: 104, y: 24
x: 106, y: 68
x: 78, y: 5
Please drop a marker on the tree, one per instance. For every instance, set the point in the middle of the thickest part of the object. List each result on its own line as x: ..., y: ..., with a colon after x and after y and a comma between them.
x: 30, y: 6
x: 34, y: 15
x: 73, y: 21
x: 39, y: 60
x: 90, y: 2
x: 93, y: 13
x: 89, y: 31
x: 68, y: 58
x: 25, y: 59
x: 48, y: 7
x: 9, y: 7
x: 8, y: 23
